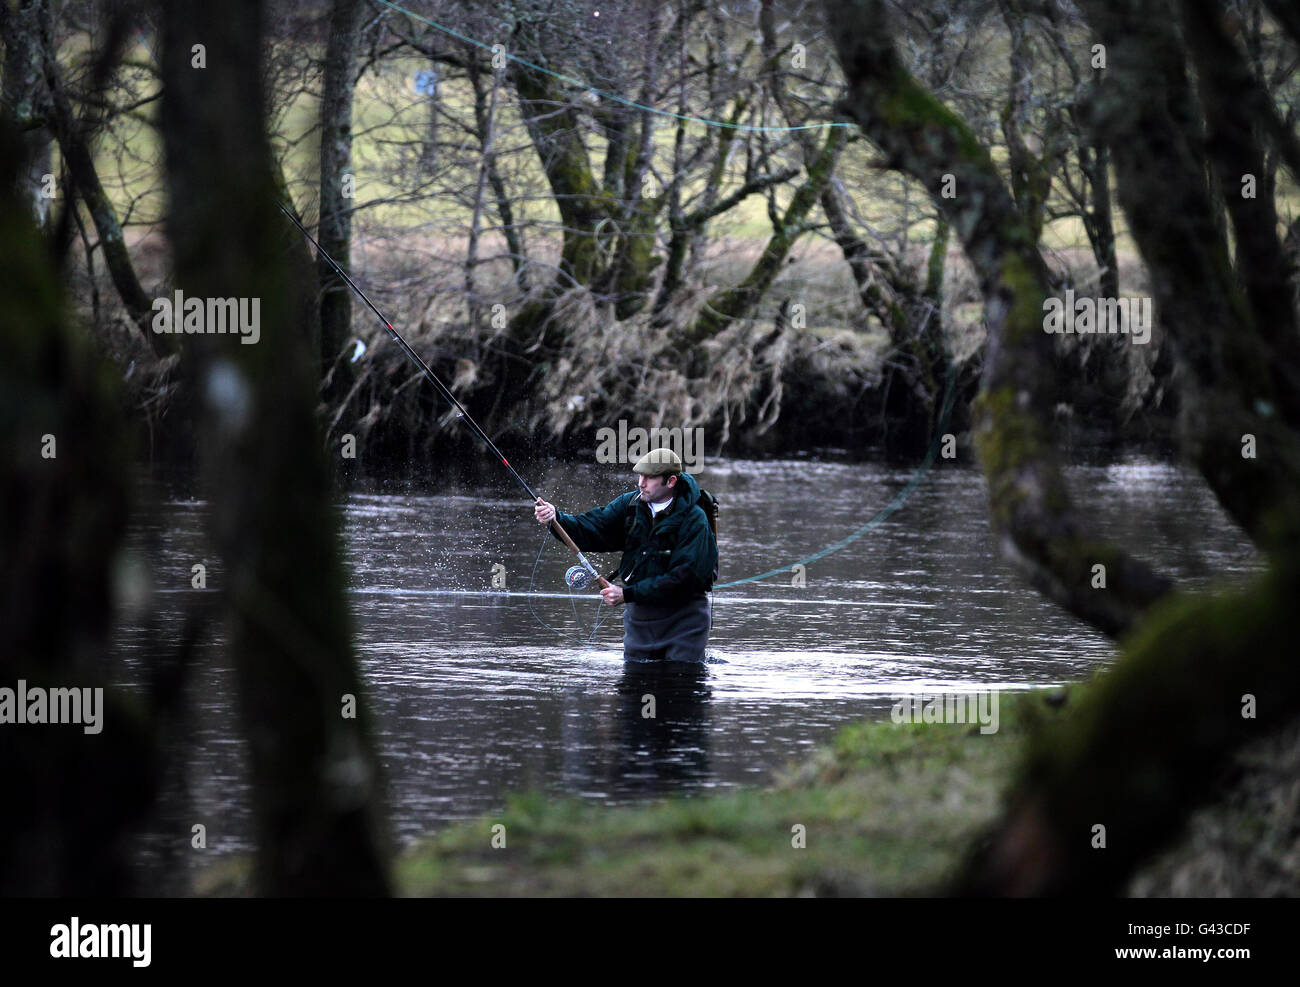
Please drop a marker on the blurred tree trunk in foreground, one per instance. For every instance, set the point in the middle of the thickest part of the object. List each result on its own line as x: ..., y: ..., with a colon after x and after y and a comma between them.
x: 1198, y: 675
x: 71, y: 798
x: 315, y: 779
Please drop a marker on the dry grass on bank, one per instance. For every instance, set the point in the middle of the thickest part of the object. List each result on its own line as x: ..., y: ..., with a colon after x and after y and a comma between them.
x: 604, y: 369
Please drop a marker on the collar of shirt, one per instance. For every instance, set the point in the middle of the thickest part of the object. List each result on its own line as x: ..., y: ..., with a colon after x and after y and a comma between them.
x: 656, y: 508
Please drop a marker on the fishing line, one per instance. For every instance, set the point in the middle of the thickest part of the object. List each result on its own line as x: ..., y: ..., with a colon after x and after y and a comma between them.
x: 573, y: 600
x: 461, y: 413
x: 614, y: 97
x: 415, y: 358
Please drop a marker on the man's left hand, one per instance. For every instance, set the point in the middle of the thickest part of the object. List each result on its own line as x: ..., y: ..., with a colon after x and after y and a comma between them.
x: 612, y: 594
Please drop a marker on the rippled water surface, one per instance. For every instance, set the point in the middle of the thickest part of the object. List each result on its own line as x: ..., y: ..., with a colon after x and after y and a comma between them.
x: 478, y: 692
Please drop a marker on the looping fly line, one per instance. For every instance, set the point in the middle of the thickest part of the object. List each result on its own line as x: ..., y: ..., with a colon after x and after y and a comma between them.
x: 575, y: 585
x: 899, y: 499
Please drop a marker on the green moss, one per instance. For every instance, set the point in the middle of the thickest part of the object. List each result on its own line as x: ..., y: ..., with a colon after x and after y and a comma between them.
x: 1006, y: 440
x: 1149, y: 736
x: 1026, y: 314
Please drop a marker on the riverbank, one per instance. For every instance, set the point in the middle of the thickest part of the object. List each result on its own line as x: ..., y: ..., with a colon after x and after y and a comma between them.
x: 773, y: 385
x: 888, y: 810
x: 885, y: 809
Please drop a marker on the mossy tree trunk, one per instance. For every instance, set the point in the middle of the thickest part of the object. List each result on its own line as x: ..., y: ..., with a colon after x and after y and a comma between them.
x: 1236, y: 350
x: 1202, y: 676
x: 631, y: 270
x: 740, y: 302
x: 610, y: 222
x: 635, y: 260
x: 579, y: 196
x: 1031, y: 510
x: 1199, y: 676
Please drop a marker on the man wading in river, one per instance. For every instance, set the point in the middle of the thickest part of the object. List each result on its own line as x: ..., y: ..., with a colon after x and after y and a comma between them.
x: 670, y: 558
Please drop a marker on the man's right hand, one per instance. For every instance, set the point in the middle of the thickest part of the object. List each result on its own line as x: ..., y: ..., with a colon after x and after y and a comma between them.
x: 544, y: 512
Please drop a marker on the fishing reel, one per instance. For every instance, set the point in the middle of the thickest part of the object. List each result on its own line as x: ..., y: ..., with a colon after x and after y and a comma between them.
x: 579, y: 577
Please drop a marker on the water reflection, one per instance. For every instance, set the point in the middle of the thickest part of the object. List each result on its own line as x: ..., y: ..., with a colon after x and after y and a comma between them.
x: 663, y: 720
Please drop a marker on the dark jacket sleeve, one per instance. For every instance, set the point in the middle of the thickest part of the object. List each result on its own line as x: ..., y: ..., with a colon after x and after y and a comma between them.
x: 600, y: 529
x: 690, y: 568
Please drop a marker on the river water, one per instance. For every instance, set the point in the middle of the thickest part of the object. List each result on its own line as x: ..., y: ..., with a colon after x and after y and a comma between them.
x: 481, y: 690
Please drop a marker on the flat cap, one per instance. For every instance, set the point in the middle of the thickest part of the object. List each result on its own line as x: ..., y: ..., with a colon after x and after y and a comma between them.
x: 658, y: 462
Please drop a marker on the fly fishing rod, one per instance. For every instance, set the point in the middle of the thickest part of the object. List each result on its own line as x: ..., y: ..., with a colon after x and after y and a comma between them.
x: 571, y: 577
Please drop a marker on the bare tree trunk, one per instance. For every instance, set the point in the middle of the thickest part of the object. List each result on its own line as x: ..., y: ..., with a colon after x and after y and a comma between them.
x: 1093, y: 196
x: 1225, y: 77
x: 911, y: 313
x: 1099, y: 224
x: 335, y: 207
x: 486, y: 119
x: 486, y: 124
x: 687, y: 229
x: 81, y: 166
x: 1031, y: 174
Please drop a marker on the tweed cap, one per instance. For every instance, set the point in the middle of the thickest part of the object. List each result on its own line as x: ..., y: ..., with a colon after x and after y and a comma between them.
x: 658, y: 462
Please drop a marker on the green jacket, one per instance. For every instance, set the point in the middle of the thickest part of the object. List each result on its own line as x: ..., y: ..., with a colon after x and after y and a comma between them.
x: 667, y: 561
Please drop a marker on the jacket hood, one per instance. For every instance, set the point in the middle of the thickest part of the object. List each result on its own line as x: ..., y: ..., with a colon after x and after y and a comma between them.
x: 689, y: 494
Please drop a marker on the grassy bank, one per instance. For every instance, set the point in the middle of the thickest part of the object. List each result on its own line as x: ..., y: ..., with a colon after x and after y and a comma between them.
x: 887, y: 809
